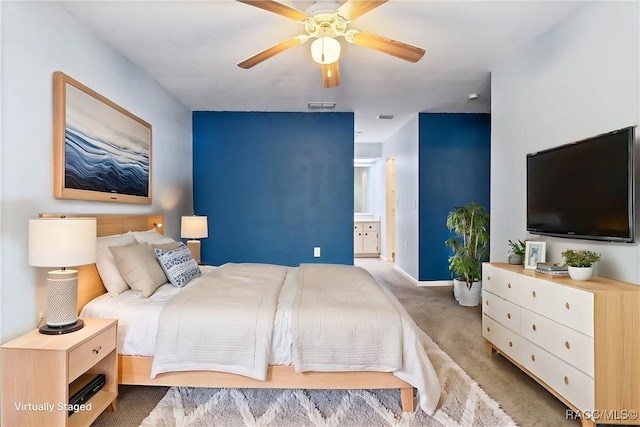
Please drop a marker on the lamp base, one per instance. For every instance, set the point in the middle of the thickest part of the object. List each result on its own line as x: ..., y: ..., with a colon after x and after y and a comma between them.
x: 59, y: 330
x: 194, y: 247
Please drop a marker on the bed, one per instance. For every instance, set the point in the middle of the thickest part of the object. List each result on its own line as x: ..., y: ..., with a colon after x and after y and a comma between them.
x: 137, y: 369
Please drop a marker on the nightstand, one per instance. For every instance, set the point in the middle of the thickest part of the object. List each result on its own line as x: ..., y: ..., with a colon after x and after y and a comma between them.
x: 37, y: 370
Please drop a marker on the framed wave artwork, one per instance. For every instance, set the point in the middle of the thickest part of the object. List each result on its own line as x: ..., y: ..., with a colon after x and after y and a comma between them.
x: 102, y: 152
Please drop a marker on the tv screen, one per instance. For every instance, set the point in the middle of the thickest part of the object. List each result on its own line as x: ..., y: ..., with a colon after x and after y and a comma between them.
x: 584, y: 190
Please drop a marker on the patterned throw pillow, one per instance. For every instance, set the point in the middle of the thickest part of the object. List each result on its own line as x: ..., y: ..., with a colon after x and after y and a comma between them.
x: 178, y: 264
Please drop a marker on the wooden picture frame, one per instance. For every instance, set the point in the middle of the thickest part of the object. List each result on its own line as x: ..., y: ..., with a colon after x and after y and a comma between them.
x: 102, y: 152
x: 534, y: 253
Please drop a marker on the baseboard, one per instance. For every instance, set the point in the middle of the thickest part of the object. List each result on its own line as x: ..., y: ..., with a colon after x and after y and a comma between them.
x: 427, y: 283
x: 424, y: 283
x: 405, y: 274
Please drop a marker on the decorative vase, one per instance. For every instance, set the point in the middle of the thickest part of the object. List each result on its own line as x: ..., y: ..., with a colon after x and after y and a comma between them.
x: 465, y: 296
x: 515, y: 259
x: 580, y: 273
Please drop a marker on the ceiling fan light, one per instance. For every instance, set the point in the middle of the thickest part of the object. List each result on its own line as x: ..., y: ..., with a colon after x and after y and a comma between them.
x: 325, y: 50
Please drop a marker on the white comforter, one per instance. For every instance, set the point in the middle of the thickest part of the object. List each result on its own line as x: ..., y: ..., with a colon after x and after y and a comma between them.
x: 416, y: 369
x: 222, y: 323
x: 343, y: 321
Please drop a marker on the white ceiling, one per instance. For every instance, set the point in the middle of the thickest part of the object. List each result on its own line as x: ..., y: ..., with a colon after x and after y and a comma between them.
x: 192, y: 47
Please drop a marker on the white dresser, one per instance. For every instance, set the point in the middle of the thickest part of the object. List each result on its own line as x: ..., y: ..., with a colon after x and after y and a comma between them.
x: 580, y: 340
x: 366, y: 238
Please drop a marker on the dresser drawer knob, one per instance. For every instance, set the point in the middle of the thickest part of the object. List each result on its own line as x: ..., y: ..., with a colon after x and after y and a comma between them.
x: 488, y: 329
x: 567, y: 306
x: 566, y: 380
x: 533, y: 293
x: 533, y: 327
x: 486, y: 302
x: 97, y: 350
x: 510, y: 344
x: 508, y: 315
x: 533, y: 358
x: 488, y: 277
x: 566, y: 344
x: 509, y: 285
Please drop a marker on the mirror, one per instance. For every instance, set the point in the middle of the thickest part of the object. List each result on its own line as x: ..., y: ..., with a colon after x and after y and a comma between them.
x: 363, y: 189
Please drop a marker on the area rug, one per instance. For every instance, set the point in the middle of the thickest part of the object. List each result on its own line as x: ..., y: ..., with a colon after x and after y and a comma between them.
x: 462, y: 403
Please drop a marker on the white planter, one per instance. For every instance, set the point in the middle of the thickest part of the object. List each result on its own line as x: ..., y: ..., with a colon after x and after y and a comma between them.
x: 465, y: 296
x: 580, y: 273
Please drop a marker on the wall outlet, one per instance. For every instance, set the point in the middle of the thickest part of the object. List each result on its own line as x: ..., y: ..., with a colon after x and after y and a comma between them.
x: 316, y: 252
x: 406, y: 245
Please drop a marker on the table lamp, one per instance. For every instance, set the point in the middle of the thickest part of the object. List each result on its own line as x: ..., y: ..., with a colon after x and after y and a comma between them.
x: 194, y: 227
x: 62, y: 242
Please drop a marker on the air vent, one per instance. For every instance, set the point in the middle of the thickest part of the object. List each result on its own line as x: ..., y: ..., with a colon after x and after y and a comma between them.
x: 321, y: 105
x: 385, y: 116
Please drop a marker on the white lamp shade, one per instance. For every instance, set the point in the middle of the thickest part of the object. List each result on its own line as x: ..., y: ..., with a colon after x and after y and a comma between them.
x: 194, y: 227
x: 325, y: 50
x: 62, y: 242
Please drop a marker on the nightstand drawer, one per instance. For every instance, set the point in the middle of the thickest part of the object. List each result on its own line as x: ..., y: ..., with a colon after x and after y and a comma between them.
x: 91, y: 352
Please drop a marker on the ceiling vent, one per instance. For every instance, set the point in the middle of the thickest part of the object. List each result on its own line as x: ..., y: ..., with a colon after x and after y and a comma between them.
x: 385, y: 116
x: 321, y: 105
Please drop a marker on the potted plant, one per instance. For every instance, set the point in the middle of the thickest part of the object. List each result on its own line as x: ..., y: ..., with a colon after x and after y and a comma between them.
x: 516, y: 251
x: 470, y: 247
x: 580, y: 263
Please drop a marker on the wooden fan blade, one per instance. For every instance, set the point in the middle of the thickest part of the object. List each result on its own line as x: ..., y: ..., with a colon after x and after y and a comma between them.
x: 392, y: 47
x: 279, y: 8
x: 330, y: 74
x: 353, y: 9
x: 268, y: 53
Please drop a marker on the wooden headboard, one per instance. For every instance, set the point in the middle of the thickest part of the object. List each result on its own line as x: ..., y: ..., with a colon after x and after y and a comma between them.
x: 89, y: 282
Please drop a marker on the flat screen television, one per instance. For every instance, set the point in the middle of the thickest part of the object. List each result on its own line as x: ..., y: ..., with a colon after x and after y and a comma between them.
x: 585, y: 189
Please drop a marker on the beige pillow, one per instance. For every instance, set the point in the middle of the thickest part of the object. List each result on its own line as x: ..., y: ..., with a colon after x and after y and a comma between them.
x: 139, y: 266
x: 169, y: 246
x: 106, y: 264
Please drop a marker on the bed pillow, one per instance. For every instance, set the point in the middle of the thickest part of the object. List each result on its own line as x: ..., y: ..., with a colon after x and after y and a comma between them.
x: 178, y: 264
x: 106, y: 264
x: 140, y: 268
x: 169, y: 245
x: 164, y: 240
x: 149, y: 236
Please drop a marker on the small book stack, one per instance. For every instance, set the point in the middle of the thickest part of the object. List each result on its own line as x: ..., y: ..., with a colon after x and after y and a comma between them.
x: 552, y: 269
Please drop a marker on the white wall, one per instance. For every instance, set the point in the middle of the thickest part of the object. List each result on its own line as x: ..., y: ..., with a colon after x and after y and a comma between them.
x: 403, y: 145
x: 578, y: 80
x: 39, y: 38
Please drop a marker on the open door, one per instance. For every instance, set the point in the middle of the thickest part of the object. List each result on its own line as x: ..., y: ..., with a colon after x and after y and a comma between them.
x: 390, y: 180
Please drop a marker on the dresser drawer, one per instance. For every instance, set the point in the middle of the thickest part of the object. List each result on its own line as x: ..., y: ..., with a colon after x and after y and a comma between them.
x: 508, y: 342
x: 91, y: 352
x: 371, y: 226
x: 568, y: 306
x: 501, y: 282
x: 501, y: 310
x: 574, y: 347
x: 573, y: 385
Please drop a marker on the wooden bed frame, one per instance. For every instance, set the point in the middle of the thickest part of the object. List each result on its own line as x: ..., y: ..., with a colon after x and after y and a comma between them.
x: 135, y: 370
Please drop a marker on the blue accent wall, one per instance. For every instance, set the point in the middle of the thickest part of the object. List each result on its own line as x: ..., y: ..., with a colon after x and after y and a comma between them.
x: 274, y: 185
x: 455, y: 166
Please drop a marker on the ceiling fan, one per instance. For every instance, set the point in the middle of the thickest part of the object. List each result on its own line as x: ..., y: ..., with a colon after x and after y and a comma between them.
x: 324, y: 22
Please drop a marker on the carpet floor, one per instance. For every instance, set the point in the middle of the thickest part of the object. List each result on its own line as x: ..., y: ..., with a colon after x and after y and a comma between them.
x: 455, y: 329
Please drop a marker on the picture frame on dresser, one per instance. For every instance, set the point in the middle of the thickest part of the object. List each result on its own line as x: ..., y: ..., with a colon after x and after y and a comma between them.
x: 534, y: 253
x: 102, y: 152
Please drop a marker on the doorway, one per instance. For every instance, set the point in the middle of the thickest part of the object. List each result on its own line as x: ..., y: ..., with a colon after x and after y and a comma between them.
x: 390, y: 182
